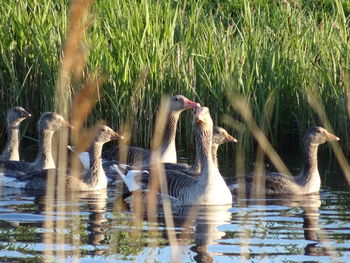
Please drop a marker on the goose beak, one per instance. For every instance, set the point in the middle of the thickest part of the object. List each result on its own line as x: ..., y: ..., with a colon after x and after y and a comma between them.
x: 199, y: 116
x: 332, y: 137
x: 116, y: 136
x: 189, y: 104
x: 230, y: 138
x: 26, y: 115
x: 67, y: 124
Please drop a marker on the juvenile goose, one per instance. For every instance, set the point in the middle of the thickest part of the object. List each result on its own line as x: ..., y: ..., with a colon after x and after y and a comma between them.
x: 48, y: 123
x: 177, y: 104
x: 308, y: 181
x: 93, y: 179
x: 15, y: 116
x: 209, y: 188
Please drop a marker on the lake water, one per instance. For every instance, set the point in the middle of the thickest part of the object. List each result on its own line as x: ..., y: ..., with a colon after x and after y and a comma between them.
x: 99, y: 227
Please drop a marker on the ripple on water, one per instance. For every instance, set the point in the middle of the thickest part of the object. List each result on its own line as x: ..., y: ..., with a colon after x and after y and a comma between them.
x: 273, y: 229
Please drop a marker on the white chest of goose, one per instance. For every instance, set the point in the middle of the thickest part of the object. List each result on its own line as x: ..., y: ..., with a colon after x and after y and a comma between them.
x: 93, y: 179
x: 209, y: 188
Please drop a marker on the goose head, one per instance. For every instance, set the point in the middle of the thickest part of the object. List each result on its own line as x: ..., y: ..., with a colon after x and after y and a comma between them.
x: 181, y: 103
x: 51, y: 121
x: 220, y: 136
x: 15, y: 115
x: 202, y: 117
x: 318, y: 135
x: 105, y: 134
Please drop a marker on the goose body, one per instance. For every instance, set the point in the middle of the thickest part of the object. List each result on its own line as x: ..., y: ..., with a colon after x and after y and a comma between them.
x: 137, y: 155
x: 93, y: 179
x: 15, y: 116
x: 220, y: 136
x: 209, y: 188
x: 308, y: 181
x: 48, y: 124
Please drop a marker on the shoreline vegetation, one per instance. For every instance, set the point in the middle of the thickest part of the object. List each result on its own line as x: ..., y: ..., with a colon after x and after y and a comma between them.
x: 277, y: 55
x: 268, y: 70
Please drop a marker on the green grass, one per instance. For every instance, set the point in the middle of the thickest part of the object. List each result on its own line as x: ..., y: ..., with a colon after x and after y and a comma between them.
x: 207, y: 50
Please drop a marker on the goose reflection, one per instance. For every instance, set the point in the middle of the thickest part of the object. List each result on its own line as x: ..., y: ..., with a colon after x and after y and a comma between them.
x: 96, y: 225
x: 312, y: 231
x: 62, y: 213
x: 310, y: 205
x: 206, y: 220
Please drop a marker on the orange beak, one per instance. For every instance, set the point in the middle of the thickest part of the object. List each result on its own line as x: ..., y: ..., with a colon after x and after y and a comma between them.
x: 230, y: 138
x: 189, y: 104
x: 116, y: 136
x: 199, y: 115
x: 26, y: 115
x: 68, y: 125
x: 332, y: 137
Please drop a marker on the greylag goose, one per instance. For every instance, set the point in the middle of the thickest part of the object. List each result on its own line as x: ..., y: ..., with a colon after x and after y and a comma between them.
x: 220, y: 136
x: 209, y: 188
x: 308, y: 181
x: 48, y: 123
x: 93, y: 179
x: 15, y: 116
x: 177, y: 104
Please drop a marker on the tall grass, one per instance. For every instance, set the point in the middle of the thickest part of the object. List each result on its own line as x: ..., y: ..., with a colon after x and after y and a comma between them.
x: 270, y: 53
x: 263, y: 50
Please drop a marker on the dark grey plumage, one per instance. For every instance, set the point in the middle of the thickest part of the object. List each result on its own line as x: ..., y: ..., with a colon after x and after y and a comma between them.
x: 308, y: 181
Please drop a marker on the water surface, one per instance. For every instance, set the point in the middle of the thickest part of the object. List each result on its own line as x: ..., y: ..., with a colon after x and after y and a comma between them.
x: 99, y: 227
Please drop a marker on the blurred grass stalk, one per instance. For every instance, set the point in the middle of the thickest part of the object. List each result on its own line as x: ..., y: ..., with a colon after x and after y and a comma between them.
x: 71, y: 72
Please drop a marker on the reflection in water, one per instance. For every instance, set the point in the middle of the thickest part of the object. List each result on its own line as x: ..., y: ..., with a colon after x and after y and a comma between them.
x: 62, y: 223
x: 87, y: 227
x: 207, y: 222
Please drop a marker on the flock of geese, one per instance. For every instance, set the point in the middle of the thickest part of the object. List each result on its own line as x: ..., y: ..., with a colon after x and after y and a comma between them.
x: 197, y: 184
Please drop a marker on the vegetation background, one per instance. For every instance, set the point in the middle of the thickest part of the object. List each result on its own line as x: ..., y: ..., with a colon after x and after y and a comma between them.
x: 272, y: 52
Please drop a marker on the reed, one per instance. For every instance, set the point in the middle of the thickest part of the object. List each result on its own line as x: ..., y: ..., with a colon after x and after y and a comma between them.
x: 201, y: 49
x: 269, y: 54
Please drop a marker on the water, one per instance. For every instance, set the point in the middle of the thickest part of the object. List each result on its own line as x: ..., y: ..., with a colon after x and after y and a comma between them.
x: 97, y: 227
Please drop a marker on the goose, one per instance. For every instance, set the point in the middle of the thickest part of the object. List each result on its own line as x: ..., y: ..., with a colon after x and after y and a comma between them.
x: 177, y: 104
x: 220, y: 136
x: 48, y: 123
x: 307, y: 181
x: 15, y: 116
x: 111, y: 168
x: 93, y: 179
x: 209, y: 188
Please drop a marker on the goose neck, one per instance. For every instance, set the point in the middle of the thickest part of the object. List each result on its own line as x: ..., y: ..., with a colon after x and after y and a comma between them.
x: 214, y: 151
x: 310, y: 170
x: 93, y: 176
x: 168, y: 147
x: 203, y: 151
x: 11, y: 151
x: 44, y: 159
